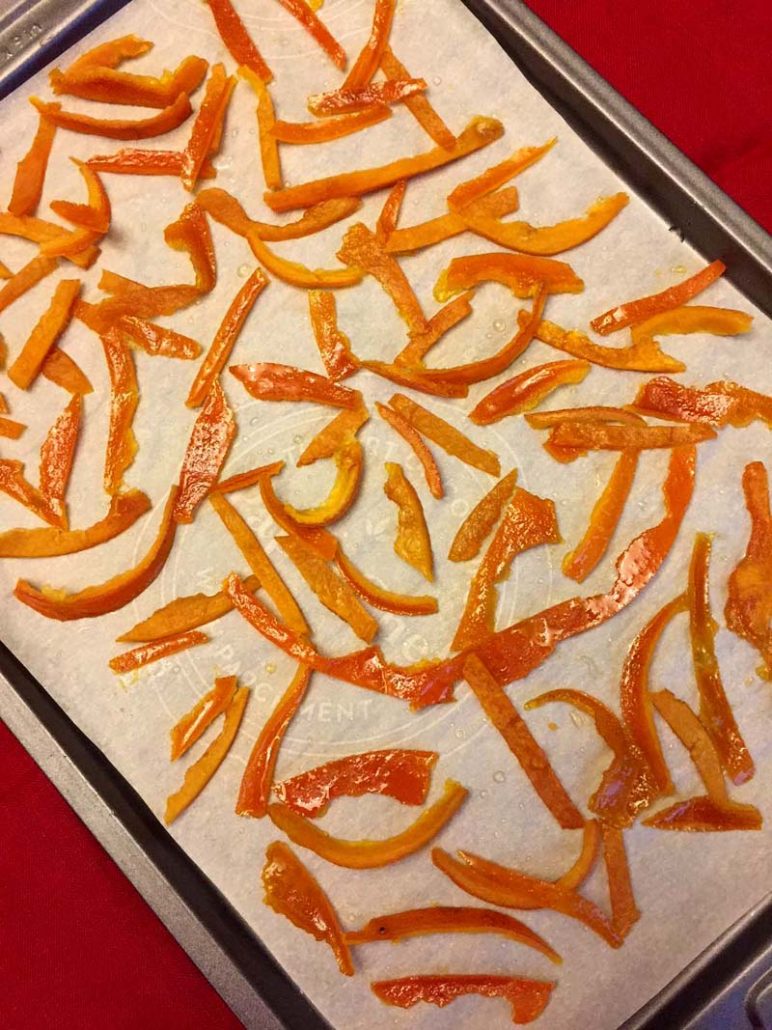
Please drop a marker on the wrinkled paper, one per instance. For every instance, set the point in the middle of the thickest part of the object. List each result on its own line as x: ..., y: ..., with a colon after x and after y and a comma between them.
x: 689, y: 887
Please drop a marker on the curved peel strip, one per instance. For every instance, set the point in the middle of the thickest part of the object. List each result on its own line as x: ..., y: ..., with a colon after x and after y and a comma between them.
x: 327, y: 129
x: 378, y: 597
x: 703, y: 814
x: 418, y: 105
x: 117, y: 128
x: 124, y: 399
x: 372, y: 52
x: 643, y: 355
x: 14, y: 483
x: 108, y: 86
x: 413, y: 543
x: 317, y: 538
x: 183, y: 613
x: 522, y: 274
x: 528, y: 389
x: 445, y: 227
x: 466, y: 194
x: 97, y: 213
x: 349, y: 460
x: 686, y: 725
x: 528, y: 998
x: 436, y: 327
x: 334, y: 435
x: 237, y: 40
x: 413, y: 438
x: 194, y: 723
x: 226, y: 210
x: 334, y: 346
x: 481, y: 519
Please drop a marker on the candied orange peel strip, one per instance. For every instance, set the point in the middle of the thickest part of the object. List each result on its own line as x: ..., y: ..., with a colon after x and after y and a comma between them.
x: 146, y: 162
x: 334, y: 346
x: 156, y: 339
x: 155, y: 651
x: 389, y: 216
x: 14, y: 483
x: 527, y: 521
x: 521, y: 742
x: 31, y: 170
x: 349, y: 460
x: 715, y: 710
x: 237, y: 40
x: 334, y: 435
x: 635, y: 311
x: 30, y: 275
x: 300, y: 275
x: 335, y: 593
x: 413, y: 543
x: 528, y: 998
x: 124, y: 398
x: 10, y: 429
x: 575, y: 876
x: 306, y: 15
x: 417, y: 922
x: 686, y: 725
x: 38, y: 230
x: 208, y: 446
x: 624, y: 911
x: 183, y: 613
x: 324, y: 130
x: 748, y: 610
x: 703, y: 814
x: 469, y: 192
x: 292, y: 891
x: 372, y: 52
x: 117, y: 128
x: 398, y: 773
x: 523, y: 274
x: 269, y: 381
x: 96, y: 214
x: 60, y: 368
x: 450, y: 439
x: 266, y: 119
x: 255, y: 789
x: 57, y: 454
x: 224, y: 208
x: 645, y: 355
x: 427, y: 381
x: 317, y: 538
x: 528, y: 389
x: 479, y: 133
x: 114, y: 593
x: 418, y: 105
x: 341, y: 101
x: 109, y: 86
x: 481, y: 519
x: 718, y: 404
x: 414, y: 439
x: 371, y: 854
x: 379, y: 597
x: 445, y: 227
x: 194, y: 723
x: 436, y: 327
x: 201, y: 772
x: 207, y: 125
x: 45, y: 334
x: 593, y: 436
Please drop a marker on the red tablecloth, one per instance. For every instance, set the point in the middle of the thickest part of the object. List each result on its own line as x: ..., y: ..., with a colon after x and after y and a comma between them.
x: 78, y: 945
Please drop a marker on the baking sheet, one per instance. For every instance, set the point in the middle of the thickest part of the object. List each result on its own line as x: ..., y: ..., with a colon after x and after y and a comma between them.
x: 129, y: 718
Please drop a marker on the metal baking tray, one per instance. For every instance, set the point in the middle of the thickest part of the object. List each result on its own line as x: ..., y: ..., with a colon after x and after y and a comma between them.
x: 730, y: 984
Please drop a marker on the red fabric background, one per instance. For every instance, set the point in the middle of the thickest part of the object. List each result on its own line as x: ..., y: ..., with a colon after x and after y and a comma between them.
x: 79, y: 946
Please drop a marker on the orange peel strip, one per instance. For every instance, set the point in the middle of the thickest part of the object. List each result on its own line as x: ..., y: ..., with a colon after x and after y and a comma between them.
x: 528, y: 998
x: 183, y: 613
x: 481, y: 519
x: 97, y: 213
x: 718, y: 404
x: 527, y: 390
x: 634, y: 311
x: 417, y: 922
x: 334, y: 346
x: 414, y: 439
x: 450, y: 439
x: 57, y: 454
x: 300, y: 275
x: 704, y: 814
x: 371, y: 854
x: 715, y: 710
x: 624, y: 911
x: 693, y: 319
x: 243, y: 480
x: 10, y: 429
x: 686, y: 725
x: 748, y: 610
x: 389, y: 216
x: 237, y: 40
x: 521, y: 742
x: 260, y: 564
x: 146, y: 162
x: 442, y: 322
x: 201, y: 772
x: 292, y: 891
x: 207, y: 125
x: 349, y: 460
x: 372, y: 52
x: 590, y: 436
x: 327, y: 441
x: 445, y: 227
x: 418, y: 105
x: 468, y: 193
x: 225, y: 209
x: 124, y: 398
x: 413, y: 543
x: 546, y: 240
x: 225, y: 338
x: 317, y: 538
x: 108, y: 86
x: 327, y: 129
x: 304, y: 13
x: 523, y: 274
x: 424, y: 380
x: 269, y: 381
x: 194, y: 723
x: 479, y: 133
x: 44, y: 336
x: 38, y: 230
x: 255, y: 788
x: 114, y: 593
x: 397, y: 773
x: 378, y: 597
x: 31, y: 170
x: 342, y: 101
x: 266, y: 119
x: 335, y: 593
x: 574, y: 877
x: 528, y: 521
x: 156, y: 339
x: 644, y: 356
x: 15, y: 485
x: 153, y: 652
x: 508, y: 888
x: 117, y: 128
x: 30, y: 275
x: 604, y: 519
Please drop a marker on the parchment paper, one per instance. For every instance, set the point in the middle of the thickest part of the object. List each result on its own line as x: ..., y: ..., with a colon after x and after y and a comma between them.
x: 689, y: 887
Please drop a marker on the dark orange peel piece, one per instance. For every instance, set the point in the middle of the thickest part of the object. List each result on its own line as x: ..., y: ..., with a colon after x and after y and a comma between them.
x: 574, y: 877
x: 117, y: 128
x: 207, y: 125
x: 715, y: 710
x: 703, y: 814
x: 589, y: 436
x: 527, y: 998
x: 624, y: 911
x: 468, y: 193
x: 418, y: 104
x: 155, y: 651
x: 269, y: 381
x: 509, y: 888
x: 114, y: 593
x: 481, y: 519
x: 192, y: 726
x: 718, y: 404
x: 418, y: 922
x: 528, y: 521
x: 255, y: 789
x: 520, y: 273
x: 748, y: 610
x: 635, y: 311
x: 379, y: 597
x: 237, y: 40
x: 183, y: 613
x: 478, y: 134
x: 413, y: 543
x: 334, y: 346
x: 395, y: 772
x: 423, y: 380
x: 686, y: 725
x: 292, y: 891
x: 31, y: 170
x: 52, y: 541
x: 528, y: 389
x: 57, y: 454
x: 201, y: 772
x: 521, y: 742
x: 317, y: 538
x: 415, y: 441
x: 342, y: 101
x: 371, y: 854
x: 450, y: 439
x: 124, y: 399
x: 335, y: 593
x: 45, y: 334
x: 372, y: 52
x: 604, y: 519
x: 208, y: 446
